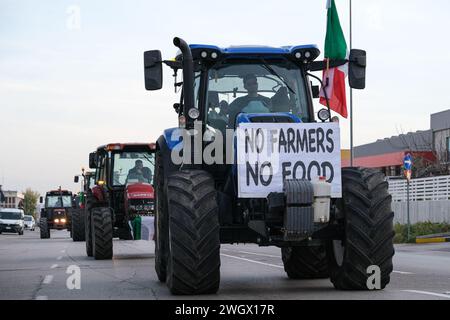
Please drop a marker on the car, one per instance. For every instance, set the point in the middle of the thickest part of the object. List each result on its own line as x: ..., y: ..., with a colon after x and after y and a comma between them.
x: 29, y: 222
x: 12, y: 220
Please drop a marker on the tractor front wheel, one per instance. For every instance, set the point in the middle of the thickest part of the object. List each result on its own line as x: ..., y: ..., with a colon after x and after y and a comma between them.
x: 161, y: 221
x: 102, y: 233
x: 88, y: 232
x: 366, y: 248
x: 43, y: 228
x: 78, y: 228
x: 193, y: 265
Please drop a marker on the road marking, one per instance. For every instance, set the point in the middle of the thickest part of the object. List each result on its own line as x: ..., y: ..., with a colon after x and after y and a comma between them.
x: 429, y: 293
x: 54, y: 266
x: 402, y: 272
x: 41, y: 298
x: 63, y: 251
x: 48, y: 279
x: 260, y: 254
x: 59, y: 258
x: 258, y: 262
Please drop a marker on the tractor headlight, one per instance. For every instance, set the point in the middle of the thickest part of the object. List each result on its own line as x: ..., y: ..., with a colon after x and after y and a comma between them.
x: 323, y: 115
x: 63, y: 220
x: 194, y: 113
x: 56, y: 220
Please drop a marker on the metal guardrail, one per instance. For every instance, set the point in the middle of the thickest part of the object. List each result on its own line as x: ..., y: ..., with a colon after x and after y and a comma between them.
x: 435, y: 188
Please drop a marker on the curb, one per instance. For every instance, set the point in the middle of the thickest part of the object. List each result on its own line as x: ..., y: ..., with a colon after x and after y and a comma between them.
x: 433, y: 240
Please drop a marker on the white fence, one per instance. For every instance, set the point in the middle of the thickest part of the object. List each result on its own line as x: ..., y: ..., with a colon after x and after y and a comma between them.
x: 435, y: 188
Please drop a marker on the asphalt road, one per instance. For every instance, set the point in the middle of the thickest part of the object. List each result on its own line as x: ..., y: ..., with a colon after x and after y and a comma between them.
x: 31, y: 268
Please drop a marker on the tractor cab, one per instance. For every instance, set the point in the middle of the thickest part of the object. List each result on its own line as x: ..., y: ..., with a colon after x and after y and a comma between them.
x: 56, y: 211
x: 124, y: 181
x: 226, y: 86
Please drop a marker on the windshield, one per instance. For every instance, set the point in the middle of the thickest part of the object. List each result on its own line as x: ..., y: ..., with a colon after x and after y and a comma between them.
x: 10, y: 215
x: 58, y: 201
x: 28, y: 218
x: 131, y: 167
x: 258, y: 87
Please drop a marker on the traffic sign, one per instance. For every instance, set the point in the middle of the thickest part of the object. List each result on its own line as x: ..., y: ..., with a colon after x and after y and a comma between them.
x: 407, y: 162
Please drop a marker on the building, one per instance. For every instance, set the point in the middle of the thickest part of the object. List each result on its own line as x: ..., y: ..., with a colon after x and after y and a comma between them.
x: 440, y: 126
x: 13, y: 199
x: 430, y: 150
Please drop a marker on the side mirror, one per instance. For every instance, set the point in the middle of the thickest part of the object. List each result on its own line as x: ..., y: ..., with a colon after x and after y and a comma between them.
x: 357, y: 69
x: 93, y: 160
x: 41, y: 200
x: 153, y: 70
x: 76, y: 179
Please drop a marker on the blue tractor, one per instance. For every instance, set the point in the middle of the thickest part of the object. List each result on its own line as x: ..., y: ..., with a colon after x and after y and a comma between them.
x: 329, y: 222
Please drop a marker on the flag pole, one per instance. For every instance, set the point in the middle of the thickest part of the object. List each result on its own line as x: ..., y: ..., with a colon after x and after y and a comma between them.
x: 351, y: 97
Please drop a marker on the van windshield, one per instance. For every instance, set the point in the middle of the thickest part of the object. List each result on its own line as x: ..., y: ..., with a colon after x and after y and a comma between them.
x: 10, y: 215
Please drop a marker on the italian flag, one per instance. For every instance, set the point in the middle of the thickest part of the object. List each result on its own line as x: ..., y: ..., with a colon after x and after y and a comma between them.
x: 334, y: 78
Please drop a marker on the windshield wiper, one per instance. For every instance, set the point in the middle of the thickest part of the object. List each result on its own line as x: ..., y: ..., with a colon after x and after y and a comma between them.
x: 272, y: 71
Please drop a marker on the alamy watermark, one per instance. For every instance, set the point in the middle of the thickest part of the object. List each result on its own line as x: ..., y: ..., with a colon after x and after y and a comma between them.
x: 74, y: 280
x: 374, y: 280
x: 73, y: 20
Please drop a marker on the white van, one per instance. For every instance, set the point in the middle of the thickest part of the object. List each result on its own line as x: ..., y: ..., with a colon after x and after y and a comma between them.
x: 12, y: 220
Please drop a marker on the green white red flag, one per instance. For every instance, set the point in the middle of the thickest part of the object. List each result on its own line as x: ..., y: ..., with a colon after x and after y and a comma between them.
x: 334, y: 78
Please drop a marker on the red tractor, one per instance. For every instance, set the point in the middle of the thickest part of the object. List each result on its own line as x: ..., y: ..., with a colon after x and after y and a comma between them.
x: 122, y: 194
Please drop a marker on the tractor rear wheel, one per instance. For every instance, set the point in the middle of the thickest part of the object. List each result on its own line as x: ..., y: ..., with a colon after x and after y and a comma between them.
x: 78, y: 228
x: 193, y: 265
x: 43, y: 227
x: 161, y: 220
x: 365, y: 215
x: 102, y: 233
x: 88, y: 232
x: 305, y: 262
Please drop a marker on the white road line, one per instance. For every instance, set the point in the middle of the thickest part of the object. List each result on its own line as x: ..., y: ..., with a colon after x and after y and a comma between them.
x: 48, y: 279
x: 402, y: 272
x: 260, y: 254
x: 59, y: 258
x: 258, y: 262
x: 429, y: 293
x: 41, y: 298
x: 54, y: 266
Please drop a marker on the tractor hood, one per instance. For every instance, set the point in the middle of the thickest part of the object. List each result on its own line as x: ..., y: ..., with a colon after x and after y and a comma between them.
x: 139, y: 190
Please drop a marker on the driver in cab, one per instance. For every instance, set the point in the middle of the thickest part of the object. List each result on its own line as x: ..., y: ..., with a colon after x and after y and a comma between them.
x: 251, y: 103
x: 139, y: 172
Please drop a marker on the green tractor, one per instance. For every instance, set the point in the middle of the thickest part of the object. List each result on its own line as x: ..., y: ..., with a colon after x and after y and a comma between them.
x: 79, y: 212
x: 249, y: 163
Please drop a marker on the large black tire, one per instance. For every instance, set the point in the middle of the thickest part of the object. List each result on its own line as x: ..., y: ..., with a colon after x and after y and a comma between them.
x: 78, y: 228
x: 88, y: 232
x: 43, y: 227
x: 102, y: 233
x: 193, y: 265
x: 305, y: 262
x: 365, y: 215
x: 161, y: 221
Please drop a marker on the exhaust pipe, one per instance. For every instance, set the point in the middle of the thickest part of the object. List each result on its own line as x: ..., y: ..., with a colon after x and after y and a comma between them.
x: 188, y: 79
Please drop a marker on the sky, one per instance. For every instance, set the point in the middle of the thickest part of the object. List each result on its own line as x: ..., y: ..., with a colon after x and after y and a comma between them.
x: 71, y: 72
